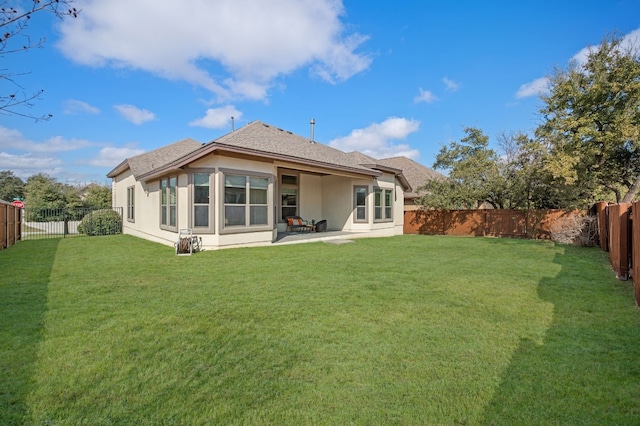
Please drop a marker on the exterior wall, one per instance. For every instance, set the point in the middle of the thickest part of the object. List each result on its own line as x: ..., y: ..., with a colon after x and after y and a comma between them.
x: 337, y: 199
x: 328, y: 197
x: 146, y: 222
x: 311, y: 205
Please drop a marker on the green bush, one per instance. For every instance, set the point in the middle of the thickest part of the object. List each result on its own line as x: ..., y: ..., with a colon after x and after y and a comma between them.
x: 101, y: 222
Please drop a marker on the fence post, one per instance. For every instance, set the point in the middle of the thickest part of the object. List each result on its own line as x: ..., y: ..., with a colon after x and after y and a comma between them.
x: 65, y: 231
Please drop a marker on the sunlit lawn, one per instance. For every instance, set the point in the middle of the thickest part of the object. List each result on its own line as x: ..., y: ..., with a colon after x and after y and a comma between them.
x: 403, y: 330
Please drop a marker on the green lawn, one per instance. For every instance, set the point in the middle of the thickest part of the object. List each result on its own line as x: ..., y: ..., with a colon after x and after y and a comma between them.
x: 404, y: 330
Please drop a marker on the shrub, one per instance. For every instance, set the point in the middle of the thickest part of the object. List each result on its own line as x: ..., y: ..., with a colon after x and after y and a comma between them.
x: 101, y: 222
x: 578, y: 230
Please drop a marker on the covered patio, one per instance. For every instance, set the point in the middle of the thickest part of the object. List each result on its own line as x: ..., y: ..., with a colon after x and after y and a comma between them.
x: 312, y: 237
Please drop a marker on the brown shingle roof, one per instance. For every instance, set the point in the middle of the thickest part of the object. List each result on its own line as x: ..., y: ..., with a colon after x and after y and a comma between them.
x: 258, y: 138
x: 266, y: 138
x: 416, y: 174
x: 144, y: 163
x: 263, y: 140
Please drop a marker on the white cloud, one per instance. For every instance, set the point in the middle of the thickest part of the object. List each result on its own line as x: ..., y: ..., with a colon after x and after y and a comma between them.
x: 134, y: 114
x: 377, y: 140
x: 13, y: 139
x: 629, y: 41
x: 425, y: 96
x: 541, y: 85
x: 74, y: 106
x: 217, y: 118
x: 252, y: 41
x: 25, y: 165
x: 533, y: 88
x: 112, y: 156
x: 451, y: 85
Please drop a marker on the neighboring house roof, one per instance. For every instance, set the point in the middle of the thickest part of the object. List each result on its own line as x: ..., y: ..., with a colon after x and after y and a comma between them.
x: 417, y: 174
x: 144, y: 163
x: 361, y: 158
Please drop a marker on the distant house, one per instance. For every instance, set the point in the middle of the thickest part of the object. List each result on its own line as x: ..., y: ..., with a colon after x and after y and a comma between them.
x: 416, y: 174
x: 239, y: 189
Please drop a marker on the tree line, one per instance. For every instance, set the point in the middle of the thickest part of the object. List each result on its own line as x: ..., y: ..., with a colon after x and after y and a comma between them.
x: 42, y: 191
x: 585, y: 149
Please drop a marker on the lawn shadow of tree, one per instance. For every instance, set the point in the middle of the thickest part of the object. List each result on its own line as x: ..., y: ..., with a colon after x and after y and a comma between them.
x: 586, y: 371
x: 26, y: 268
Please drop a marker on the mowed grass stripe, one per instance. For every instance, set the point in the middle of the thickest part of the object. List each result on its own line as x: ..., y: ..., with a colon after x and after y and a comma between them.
x: 402, y: 330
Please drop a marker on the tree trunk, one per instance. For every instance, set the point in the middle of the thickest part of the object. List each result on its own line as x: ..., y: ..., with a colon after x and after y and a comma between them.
x: 633, y: 190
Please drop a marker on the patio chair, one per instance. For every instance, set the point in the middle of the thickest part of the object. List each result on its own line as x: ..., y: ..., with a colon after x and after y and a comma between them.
x: 296, y: 223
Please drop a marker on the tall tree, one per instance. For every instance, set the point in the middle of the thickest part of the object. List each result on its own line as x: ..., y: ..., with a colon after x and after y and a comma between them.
x: 14, y: 24
x: 44, y: 192
x: 591, y: 121
x: 97, y: 196
x: 11, y: 186
x: 474, y: 175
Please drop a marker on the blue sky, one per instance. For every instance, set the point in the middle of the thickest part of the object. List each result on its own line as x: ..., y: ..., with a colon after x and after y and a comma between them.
x: 384, y: 78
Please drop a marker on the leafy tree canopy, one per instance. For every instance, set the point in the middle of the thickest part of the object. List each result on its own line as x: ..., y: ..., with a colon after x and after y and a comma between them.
x: 97, y: 196
x: 11, y: 186
x: 591, y: 121
x: 42, y: 191
x: 474, y: 175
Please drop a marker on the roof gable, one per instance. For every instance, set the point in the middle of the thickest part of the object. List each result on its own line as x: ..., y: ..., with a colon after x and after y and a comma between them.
x: 416, y: 174
x: 148, y: 161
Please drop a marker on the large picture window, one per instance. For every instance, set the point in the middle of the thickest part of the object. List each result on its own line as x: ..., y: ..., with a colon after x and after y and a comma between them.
x: 246, y: 201
x: 382, y: 206
x: 168, y: 203
x: 360, y: 203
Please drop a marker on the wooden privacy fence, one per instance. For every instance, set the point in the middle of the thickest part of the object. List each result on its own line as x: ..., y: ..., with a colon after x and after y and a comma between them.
x: 9, y: 224
x: 494, y: 223
x: 619, y: 226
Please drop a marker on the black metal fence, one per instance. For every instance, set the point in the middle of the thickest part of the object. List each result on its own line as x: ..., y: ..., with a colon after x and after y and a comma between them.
x: 56, y: 223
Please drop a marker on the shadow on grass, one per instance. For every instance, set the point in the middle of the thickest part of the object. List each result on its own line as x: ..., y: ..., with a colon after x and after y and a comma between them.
x: 26, y: 268
x: 586, y: 371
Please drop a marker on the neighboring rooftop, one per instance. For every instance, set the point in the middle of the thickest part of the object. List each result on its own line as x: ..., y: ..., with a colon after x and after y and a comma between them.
x: 416, y: 174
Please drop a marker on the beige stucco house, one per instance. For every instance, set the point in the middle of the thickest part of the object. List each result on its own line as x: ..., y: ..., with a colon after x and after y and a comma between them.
x: 237, y: 190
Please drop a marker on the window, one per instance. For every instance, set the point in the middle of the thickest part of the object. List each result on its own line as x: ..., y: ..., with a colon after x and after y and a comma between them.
x: 201, y: 200
x: 130, y: 204
x: 168, y: 203
x: 288, y: 196
x: 382, y: 205
x: 246, y: 200
x: 360, y: 201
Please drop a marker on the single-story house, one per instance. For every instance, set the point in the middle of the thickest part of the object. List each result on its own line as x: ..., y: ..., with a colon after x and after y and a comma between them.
x: 239, y: 189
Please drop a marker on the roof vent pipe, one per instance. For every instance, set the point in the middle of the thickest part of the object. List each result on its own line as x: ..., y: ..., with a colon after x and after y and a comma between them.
x: 232, y: 124
x: 313, y: 123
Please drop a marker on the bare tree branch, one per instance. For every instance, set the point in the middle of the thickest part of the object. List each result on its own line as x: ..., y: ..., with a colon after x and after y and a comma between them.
x: 14, y: 21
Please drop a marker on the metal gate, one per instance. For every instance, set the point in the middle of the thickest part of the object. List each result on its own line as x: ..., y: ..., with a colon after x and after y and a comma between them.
x: 59, y: 223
